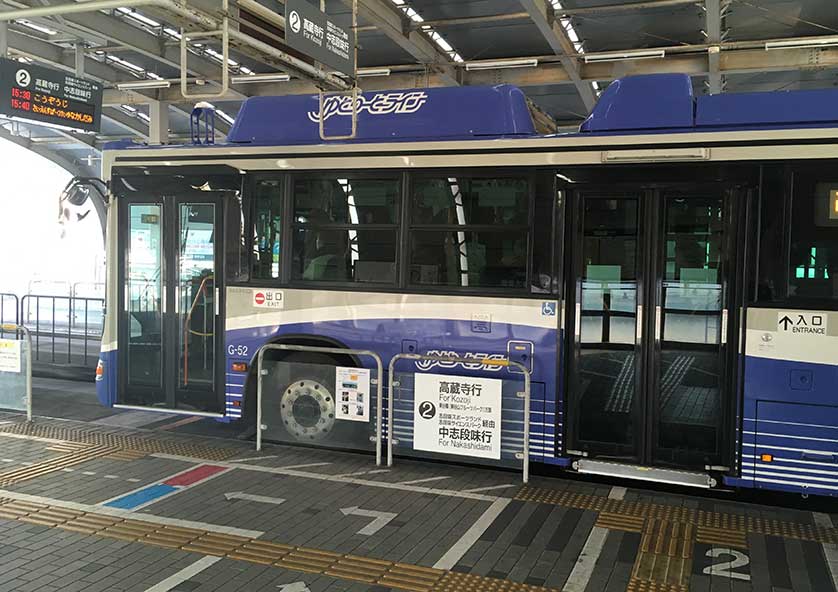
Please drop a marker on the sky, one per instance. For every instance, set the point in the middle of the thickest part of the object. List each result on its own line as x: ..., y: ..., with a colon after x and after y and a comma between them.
x: 32, y: 248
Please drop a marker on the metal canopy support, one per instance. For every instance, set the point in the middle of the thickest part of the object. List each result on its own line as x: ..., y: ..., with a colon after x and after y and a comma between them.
x: 391, y: 23
x: 553, y: 32
x: 158, y: 126
x: 117, y: 31
x: 713, y: 10
x: 4, y: 40
x: 79, y: 59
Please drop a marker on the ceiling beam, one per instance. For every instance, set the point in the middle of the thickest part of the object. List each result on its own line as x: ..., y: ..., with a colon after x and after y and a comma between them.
x: 554, y: 33
x: 130, y: 124
x: 69, y: 165
x: 732, y: 61
x: 396, y: 26
x: 53, y: 55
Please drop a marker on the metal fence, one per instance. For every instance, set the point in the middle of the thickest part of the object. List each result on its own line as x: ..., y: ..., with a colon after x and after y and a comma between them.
x: 478, y: 419
x: 65, y: 329
x: 321, y: 404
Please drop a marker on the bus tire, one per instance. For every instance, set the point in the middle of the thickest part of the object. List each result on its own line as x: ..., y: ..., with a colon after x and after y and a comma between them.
x: 302, y: 400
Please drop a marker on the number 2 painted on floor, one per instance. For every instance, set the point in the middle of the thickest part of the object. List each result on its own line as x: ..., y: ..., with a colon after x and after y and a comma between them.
x: 724, y: 568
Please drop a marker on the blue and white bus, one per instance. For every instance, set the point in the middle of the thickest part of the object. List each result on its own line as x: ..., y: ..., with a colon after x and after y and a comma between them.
x: 669, y: 273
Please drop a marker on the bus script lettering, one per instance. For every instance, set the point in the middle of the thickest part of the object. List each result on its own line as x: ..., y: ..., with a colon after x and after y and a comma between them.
x: 458, y: 415
x: 400, y: 103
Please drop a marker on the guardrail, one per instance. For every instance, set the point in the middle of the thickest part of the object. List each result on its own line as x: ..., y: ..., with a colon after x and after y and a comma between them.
x: 9, y: 309
x: 466, y: 362
x: 260, y: 372
x: 68, y: 325
x: 10, y: 366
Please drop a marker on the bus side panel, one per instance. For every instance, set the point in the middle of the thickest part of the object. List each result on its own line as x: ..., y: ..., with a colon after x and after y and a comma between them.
x: 790, y: 431
x: 389, y: 324
x: 106, y: 373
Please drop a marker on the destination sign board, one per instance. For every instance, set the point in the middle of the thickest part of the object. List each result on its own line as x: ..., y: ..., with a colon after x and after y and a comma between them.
x: 318, y: 35
x: 50, y: 96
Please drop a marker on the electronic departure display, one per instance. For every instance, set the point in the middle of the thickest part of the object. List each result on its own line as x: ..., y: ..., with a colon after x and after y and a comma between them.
x: 49, y: 96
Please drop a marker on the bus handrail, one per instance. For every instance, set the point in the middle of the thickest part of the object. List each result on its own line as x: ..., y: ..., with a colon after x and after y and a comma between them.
x: 322, y: 350
x: 186, y: 329
x: 457, y: 359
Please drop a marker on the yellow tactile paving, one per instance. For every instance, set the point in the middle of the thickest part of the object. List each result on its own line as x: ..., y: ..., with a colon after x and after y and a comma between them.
x: 726, y: 524
x: 414, y: 578
x: 136, y: 443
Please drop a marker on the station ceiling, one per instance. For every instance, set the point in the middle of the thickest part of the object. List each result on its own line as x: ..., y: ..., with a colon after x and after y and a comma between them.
x: 572, y: 48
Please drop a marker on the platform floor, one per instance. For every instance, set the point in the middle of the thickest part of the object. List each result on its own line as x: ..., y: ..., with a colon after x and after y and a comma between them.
x: 126, y: 501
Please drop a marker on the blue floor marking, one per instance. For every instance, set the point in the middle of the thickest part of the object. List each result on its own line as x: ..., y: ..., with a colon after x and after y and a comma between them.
x: 138, y: 498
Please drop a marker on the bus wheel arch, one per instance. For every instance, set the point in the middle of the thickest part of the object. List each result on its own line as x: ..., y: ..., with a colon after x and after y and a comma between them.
x: 305, y: 401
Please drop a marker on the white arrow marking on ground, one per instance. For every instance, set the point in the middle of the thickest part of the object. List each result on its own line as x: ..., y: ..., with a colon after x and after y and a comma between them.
x: 381, y: 518
x: 253, y: 498
x: 295, y: 587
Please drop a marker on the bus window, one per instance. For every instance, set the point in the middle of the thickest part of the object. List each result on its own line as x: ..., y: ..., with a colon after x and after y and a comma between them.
x: 469, y: 232
x: 813, y: 256
x: 345, y: 229
x: 267, y: 225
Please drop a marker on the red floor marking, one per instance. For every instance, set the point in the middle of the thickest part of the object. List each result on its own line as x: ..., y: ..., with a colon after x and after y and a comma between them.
x: 194, y: 476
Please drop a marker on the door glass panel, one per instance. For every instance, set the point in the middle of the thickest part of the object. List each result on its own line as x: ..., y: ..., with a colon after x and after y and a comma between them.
x: 196, y: 305
x: 607, y: 366
x: 690, y: 372
x: 145, y: 298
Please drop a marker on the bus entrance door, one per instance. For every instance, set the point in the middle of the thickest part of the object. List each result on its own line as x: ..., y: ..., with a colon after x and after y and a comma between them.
x: 648, y: 362
x: 169, y: 324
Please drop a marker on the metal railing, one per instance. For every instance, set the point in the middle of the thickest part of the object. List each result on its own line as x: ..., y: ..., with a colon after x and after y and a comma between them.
x: 465, y: 362
x: 260, y: 372
x: 9, y: 309
x: 27, y: 339
x: 66, y: 329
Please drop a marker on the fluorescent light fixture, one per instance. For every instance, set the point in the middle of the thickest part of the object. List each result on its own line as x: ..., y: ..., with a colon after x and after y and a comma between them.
x: 805, y: 43
x: 368, y: 72
x: 501, y: 64
x: 621, y: 56
x: 253, y: 78
x: 142, y: 84
x: 37, y: 27
x: 224, y: 116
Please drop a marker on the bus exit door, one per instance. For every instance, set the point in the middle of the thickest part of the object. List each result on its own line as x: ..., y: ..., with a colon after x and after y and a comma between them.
x: 170, y: 308
x: 650, y: 292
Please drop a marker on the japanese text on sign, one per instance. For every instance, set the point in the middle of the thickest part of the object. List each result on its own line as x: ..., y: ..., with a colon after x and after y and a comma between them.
x: 457, y: 415
x: 9, y: 355
x: 44, y: 95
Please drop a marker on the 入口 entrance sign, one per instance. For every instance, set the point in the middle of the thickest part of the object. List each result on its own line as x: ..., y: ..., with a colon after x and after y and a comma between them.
x: 312, y: 32
x: 457, y: 415
x: 803, y: 323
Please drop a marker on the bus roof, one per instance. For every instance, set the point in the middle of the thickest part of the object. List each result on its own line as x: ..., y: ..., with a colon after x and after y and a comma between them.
x: 657, y: 103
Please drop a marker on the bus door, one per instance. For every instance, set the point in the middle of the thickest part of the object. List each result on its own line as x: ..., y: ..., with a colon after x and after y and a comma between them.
x: 170, y: 315
x: 650, y: 290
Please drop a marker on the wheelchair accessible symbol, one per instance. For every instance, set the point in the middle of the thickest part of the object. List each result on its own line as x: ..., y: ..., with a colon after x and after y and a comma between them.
x: 548, y: 309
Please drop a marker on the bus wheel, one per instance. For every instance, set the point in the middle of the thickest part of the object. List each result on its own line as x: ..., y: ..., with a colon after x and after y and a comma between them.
x: 306, y: 402
x: 307, y: 408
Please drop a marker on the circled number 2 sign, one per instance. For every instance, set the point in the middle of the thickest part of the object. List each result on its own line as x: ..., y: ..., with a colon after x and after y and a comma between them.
x: 426, y: 410
x: 23, y: 78
x: 294, y: 21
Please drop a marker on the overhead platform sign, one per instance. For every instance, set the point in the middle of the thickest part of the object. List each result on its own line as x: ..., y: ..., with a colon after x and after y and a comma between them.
x: 49, y: 96
x: 312, y: 32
